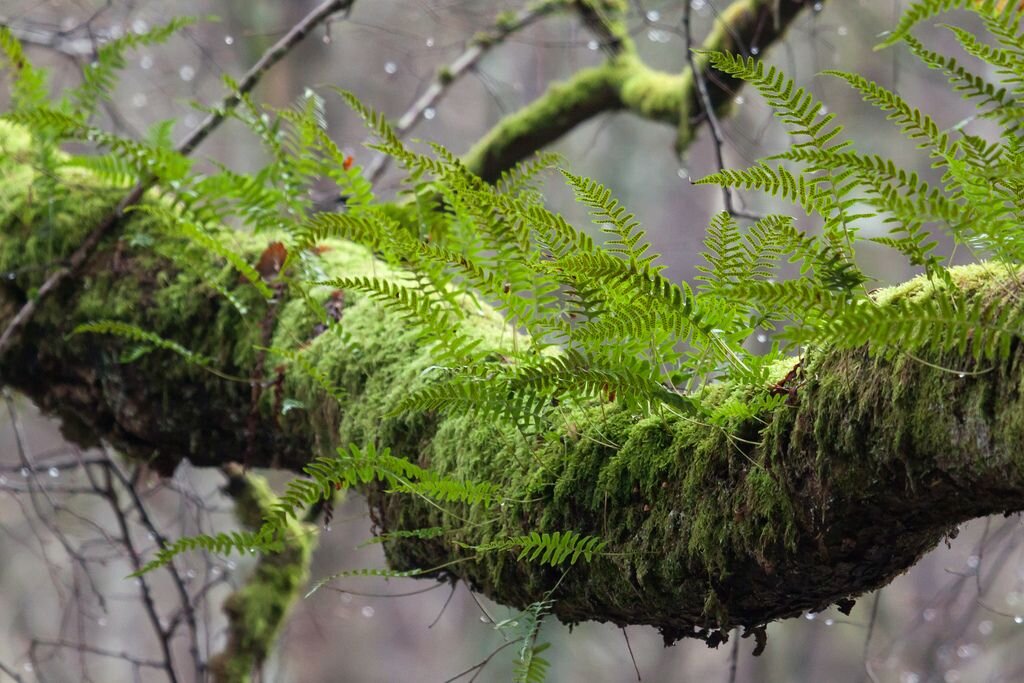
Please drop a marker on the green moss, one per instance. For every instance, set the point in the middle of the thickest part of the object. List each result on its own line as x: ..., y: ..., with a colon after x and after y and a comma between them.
x: 653, y: 94
x: 258, y: 609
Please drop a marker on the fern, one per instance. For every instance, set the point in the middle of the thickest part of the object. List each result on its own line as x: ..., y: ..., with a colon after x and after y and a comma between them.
x: 149, y: 340
x: 552, y: 549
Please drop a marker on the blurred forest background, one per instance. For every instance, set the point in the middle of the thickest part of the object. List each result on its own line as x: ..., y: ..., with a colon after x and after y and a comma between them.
x: 66, y: 610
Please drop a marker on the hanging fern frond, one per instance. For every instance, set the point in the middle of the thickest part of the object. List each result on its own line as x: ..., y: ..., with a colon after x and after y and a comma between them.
x: 149, y: 340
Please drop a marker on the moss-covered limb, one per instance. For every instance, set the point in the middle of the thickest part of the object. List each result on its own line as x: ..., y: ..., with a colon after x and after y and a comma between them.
x: 257, y: 610
x: 873, y: 461
x: 624, y: 82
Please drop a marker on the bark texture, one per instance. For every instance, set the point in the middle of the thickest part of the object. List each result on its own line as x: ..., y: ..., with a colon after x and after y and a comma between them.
x: 874, y: 460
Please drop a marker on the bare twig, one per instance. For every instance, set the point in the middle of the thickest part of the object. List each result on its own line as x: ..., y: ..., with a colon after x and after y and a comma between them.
x: 461, y: 65
x: 106, y: 226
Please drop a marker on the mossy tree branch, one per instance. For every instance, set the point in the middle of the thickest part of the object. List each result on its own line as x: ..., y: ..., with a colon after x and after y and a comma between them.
x: 258, y: 609
x: 625, y: 83
x: 871, y: 463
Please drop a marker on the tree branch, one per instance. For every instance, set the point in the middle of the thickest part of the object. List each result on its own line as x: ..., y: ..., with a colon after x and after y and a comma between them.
x: 624, y: 82
x: 258, y: 609
x: 873, y: 460
x: 109, y: 224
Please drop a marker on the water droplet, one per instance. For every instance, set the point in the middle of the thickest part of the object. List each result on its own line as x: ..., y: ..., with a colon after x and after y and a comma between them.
x: 909, y: 677
x: 27, y: 666
x: 818, y: 6
x: 762, y: 337
x: 985, y: 628
x: 429, y: 113
x: 101, y: 622
x: 755, y: 50
x: 593, y: 45
x: 961, y: 375
x: 430, y: 42
x: 484, y: 619
x: 190, y: 574
x: 146, y: 62
x: 929, y: 614
x: 151, y: 536
x: 810, y: 616
x: 53, y: 472
x: 229, y: 40
x: 973, y: 561
x: 327, y: 528
x: 230, y: 564
x: 214, y: 571
x: 139, y: 100
x: 1018, y: 619
x: 327, y: 39
x: 698, y: 5
x: 830, y: 622
x: 739, y: 99
x: 967, y: 651
x: 3, y: 480
x: 139, y: 26
x: 653, y: 15
x: 683, y: 173
x: 187, y: 73
x: 367, y: 611
x: 11, y: 276
x: 25, y: 472
x: 390, y: 68
x: 823, y: 110
x: 842, y: 30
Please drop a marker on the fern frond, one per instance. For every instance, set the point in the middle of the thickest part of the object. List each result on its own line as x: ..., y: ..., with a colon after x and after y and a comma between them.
x: 137, y: 334
x: 614, y: 221
x: 914, y: 123
x: 552, y: 549
x: 29, y: 89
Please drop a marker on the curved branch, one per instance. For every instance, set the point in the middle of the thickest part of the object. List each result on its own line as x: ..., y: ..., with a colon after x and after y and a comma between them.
x: 624, y: 82
x: 873, y: 460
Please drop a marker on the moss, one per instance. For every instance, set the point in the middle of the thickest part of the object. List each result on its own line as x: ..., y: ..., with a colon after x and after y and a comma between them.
x: 544, y: 120
x: 652, y: 94
x: 258, y: 609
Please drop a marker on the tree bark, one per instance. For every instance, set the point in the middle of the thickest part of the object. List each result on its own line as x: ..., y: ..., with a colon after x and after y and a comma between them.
x: 874, y: 459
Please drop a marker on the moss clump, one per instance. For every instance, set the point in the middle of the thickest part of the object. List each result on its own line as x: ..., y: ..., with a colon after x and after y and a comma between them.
x: 258, y: 609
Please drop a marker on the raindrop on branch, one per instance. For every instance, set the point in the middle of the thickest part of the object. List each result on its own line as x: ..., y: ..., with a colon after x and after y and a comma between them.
x: 53, y: 472
x: 593, y: 45
x: 229, y: 40
x: 429, y: 113
x: 653, y: 15
x: 367, y: 611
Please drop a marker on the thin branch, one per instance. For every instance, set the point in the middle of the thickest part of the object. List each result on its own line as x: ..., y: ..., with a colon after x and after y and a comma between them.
x: 110, y: 222
x: 466, y: 62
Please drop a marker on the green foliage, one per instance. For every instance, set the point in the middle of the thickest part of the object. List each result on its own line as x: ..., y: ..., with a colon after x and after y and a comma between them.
x: 592, y: 320
x: 552, y: 549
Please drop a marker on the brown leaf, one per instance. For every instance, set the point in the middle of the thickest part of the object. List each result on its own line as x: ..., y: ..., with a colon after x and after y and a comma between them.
x: 271, y: 260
